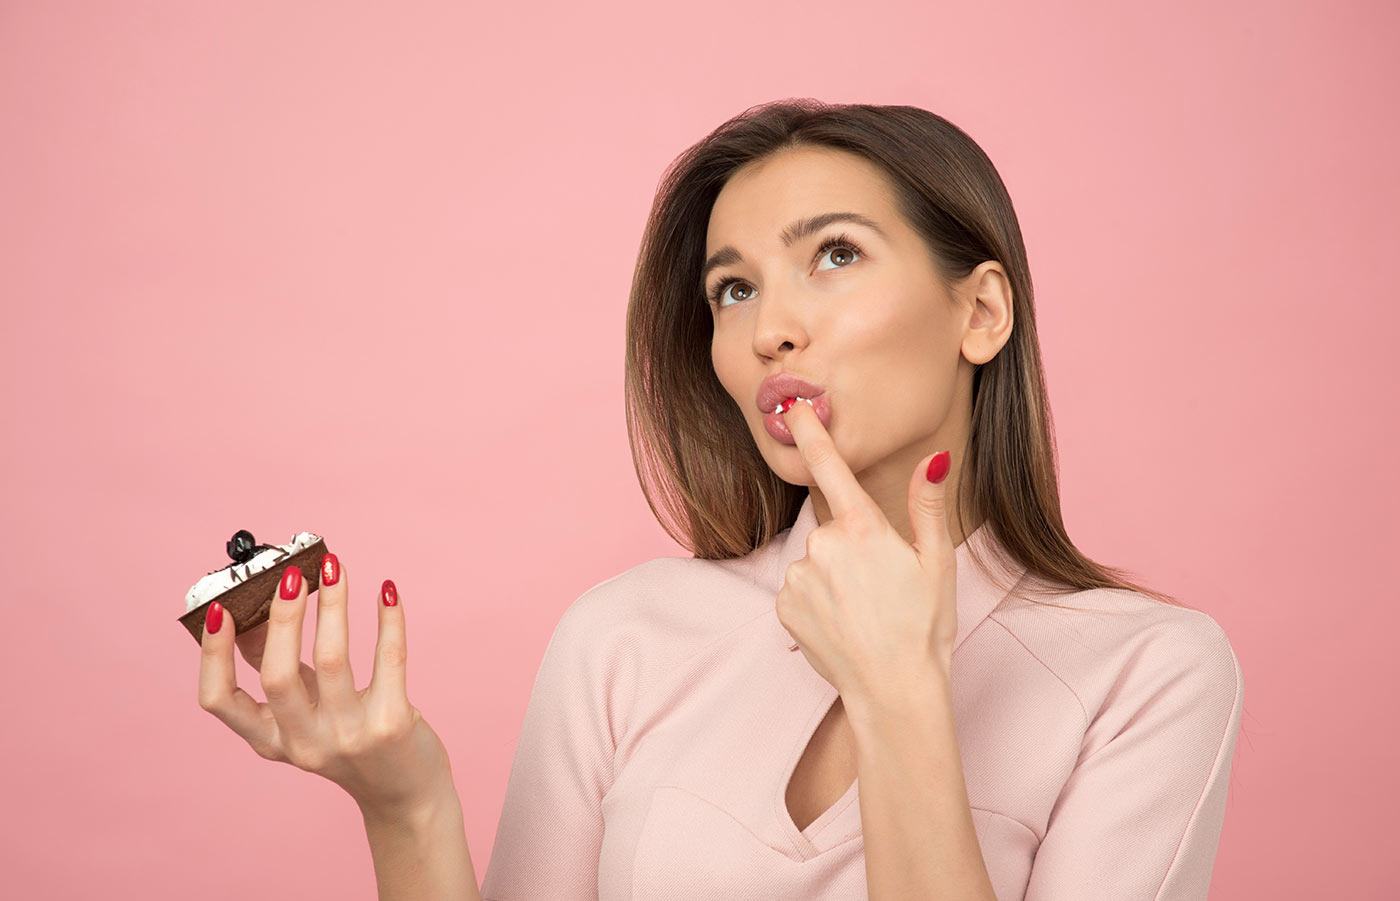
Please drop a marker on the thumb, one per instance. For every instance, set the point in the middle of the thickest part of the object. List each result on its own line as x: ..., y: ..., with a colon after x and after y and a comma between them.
x: 928, y: 503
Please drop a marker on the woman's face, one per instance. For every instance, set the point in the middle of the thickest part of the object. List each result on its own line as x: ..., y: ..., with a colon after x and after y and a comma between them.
x: 867, y: 320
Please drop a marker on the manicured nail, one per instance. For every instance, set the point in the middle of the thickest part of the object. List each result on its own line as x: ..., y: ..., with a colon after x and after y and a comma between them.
x: 214, y: 618
x: 291, y: 583
x: 330, y: 569
x: 389, y: 593
x: 938, y: 467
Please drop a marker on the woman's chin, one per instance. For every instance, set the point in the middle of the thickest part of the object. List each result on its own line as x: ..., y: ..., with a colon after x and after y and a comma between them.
x: 786, y: 463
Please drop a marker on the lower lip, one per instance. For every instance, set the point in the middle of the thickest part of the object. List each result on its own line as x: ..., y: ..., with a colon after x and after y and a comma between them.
x: 775, y: 426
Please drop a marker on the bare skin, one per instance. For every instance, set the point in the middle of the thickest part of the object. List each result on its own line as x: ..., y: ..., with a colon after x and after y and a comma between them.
x: 893, y: 349
x: 371, y: 742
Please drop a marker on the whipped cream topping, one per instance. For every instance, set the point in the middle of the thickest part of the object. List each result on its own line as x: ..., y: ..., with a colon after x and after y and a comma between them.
x: 219, y: 581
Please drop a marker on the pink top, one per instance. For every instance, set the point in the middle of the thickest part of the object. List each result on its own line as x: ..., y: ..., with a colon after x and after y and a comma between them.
x: 668, y: 715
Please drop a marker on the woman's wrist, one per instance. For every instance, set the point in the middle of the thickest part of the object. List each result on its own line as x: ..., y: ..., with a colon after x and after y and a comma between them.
x: 418, y: 816
x: 420, y: 851
x: 415, y: 813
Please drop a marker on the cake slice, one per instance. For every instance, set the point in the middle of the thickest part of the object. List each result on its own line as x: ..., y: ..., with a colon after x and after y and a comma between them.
x: 246, y: 586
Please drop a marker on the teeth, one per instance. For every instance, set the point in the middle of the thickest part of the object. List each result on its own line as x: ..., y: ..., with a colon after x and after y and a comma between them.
x: 807, y: 400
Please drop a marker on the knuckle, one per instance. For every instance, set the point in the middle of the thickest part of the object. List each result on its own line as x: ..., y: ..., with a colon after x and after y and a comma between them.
x: 783, y: 606
x: 331, y: 663
x: 209, y: 700
x: 276, y: 685
x: 935, y: 504
x: 394, y: 654
x: 818, y: 453
x: 353, y: 742
x: 390, y: 728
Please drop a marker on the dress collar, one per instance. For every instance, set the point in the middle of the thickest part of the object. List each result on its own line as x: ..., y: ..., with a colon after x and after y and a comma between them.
x: 978, y: 592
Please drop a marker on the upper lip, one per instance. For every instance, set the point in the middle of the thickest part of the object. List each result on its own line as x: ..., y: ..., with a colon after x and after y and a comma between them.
x: 783, y: 385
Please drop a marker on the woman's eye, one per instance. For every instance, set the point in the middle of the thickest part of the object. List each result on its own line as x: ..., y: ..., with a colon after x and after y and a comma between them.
x: 720, y: 290
x: 831, y: 249
x: 843, y: 250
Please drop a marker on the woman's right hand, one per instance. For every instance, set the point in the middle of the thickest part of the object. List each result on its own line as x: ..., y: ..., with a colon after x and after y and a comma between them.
x: 373, y: 743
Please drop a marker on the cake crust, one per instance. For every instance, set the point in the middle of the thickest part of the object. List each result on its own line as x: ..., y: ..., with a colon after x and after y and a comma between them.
x: 250, y: 601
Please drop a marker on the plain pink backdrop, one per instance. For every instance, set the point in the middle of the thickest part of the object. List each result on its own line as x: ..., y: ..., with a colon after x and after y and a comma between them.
x: 362, y: 270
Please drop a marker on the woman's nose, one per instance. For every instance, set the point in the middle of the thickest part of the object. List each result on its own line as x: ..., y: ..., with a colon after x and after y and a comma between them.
x: 779, y: 322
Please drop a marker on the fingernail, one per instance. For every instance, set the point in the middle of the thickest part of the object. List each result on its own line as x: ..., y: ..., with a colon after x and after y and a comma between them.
x: 214, y: 617
x: 330, y: 569
x: 389, y: 593
x: 291, y: 583
x: 938, y: 467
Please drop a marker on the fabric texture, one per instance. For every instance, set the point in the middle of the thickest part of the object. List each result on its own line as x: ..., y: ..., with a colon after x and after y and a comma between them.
x: 669, y: 713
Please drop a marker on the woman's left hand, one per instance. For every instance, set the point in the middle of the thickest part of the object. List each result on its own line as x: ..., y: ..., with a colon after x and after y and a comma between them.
x: 869, y: 611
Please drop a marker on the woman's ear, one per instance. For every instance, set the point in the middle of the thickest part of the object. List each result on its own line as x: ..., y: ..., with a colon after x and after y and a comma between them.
x: 991, y: 318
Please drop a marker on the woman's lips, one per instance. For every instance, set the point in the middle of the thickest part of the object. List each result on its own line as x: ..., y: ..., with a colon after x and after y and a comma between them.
x: 773, y: 422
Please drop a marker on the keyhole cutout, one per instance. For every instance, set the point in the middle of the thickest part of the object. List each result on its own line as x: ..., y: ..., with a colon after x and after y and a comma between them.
x: 826, y: 770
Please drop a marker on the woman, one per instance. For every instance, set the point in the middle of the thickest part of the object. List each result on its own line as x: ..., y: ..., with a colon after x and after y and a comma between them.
x: 944, y: 731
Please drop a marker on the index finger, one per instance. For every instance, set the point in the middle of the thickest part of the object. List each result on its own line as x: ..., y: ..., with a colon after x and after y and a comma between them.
x: 833, y: 476
x: 287, y: 696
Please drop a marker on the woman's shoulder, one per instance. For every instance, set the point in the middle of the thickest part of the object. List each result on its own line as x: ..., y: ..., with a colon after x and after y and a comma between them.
x: 1117, y: 644
x: 665, y: 604
x: 1112, y: 615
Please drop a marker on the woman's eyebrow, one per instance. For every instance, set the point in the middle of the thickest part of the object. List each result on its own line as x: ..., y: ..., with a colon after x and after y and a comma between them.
x: 799, y: 229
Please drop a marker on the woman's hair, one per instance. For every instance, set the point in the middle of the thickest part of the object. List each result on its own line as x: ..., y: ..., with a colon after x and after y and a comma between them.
x: 691, y: 446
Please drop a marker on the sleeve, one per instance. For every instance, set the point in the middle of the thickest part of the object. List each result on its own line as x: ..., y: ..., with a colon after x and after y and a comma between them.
x: 1140, y: 816
x: 551, y: 827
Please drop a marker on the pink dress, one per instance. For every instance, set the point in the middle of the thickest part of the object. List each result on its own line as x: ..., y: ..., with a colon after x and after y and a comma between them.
x: 668, y: 715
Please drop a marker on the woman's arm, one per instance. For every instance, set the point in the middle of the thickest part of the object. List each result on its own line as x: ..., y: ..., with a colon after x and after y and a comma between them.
x: 1142, y: 812
x: 422, y: 855
x: 372, y: 743
x: 549, y: 839
x: 919, y: 836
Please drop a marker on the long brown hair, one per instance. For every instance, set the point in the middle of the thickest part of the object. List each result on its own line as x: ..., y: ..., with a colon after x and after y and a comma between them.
x: 699, y: 467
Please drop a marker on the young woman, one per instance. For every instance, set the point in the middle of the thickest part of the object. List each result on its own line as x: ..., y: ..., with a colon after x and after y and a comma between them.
x: 856, y: 687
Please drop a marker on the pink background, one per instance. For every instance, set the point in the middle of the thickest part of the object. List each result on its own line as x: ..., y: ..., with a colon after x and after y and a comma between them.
x: 362, y: 270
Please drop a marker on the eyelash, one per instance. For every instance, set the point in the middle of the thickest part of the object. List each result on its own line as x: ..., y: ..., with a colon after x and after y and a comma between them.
x: 826, y: 246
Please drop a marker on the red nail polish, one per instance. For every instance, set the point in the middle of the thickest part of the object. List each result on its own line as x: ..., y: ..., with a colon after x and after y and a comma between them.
x: 214, y: 618
x: 939, y: 466
x: 389, y: 593
x: 788, y: 402
x: 330, y: 569
x: 291, y: 583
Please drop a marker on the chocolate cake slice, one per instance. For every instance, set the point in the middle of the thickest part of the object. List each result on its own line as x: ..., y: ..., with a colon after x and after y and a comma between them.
x: 247, y: 586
